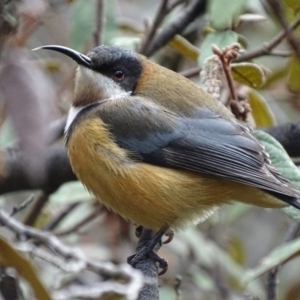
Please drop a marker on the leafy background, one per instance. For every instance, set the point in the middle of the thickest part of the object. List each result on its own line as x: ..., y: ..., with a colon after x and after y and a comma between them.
x: 227, y: 257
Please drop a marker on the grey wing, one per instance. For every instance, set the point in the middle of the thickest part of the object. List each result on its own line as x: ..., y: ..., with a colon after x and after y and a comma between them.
x: 205, y: 143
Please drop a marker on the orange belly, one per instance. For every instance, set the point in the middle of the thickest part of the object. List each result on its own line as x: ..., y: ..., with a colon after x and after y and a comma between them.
x: 149, y: 195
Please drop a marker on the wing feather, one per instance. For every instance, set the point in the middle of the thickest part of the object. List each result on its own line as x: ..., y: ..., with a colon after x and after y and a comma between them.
x: 204, y: 143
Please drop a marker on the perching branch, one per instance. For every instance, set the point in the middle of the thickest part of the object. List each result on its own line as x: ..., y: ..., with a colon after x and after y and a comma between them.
x: 149, y: 269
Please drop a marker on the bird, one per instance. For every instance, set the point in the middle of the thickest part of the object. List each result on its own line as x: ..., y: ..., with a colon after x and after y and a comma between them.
x: 157, y: 149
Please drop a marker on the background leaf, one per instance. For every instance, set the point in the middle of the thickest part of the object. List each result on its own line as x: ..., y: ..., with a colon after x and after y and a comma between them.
x: 221, y: 39
x: 222, y: 13
x: 283, y: 163
x: 249, y: 74
x: 276, y: 257
x: 293, y: 75
x: 261, y: 112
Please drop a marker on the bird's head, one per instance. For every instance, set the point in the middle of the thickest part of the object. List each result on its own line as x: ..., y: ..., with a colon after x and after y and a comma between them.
x: 106, y: 72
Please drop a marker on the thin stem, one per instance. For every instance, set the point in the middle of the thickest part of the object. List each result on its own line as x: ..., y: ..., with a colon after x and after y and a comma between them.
x: 161, y: 13
x: 98, y: 33
x: 89, y: 218
x: 266, y: 48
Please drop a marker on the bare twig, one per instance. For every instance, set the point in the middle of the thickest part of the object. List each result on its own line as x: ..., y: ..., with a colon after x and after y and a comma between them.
x: 60, y: 217
x: 98, y: 33
x: 267, y: 48
x: 222, y: 54
x: 133, y: 280
x: 161, y: 13
x: 191, y: 72
x: 177, y: 285
x: 292, y: 233
x: 174, y: 3
x: 23, y: 205
x: 187, y: 16
x: 68, y: 266
x: 41, y: 200
x: 89, y: 218
x: 281, y: 53
x: 278, y: 10
x: 92, y: 292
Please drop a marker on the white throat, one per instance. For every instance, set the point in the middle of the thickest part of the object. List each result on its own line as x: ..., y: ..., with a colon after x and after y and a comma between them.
x: 93, y: 85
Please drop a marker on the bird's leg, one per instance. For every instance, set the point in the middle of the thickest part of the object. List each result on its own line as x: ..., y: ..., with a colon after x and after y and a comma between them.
x: 146, y: 248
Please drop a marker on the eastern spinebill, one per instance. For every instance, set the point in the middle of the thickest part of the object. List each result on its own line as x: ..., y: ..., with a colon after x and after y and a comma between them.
x: 158, y: 150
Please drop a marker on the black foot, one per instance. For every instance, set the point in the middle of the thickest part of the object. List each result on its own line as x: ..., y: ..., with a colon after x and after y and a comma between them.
x: 145, y: 253
x: 148, y: 251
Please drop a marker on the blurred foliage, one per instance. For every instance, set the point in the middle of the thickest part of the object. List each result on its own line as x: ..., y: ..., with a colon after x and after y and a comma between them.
x: 235, y: 246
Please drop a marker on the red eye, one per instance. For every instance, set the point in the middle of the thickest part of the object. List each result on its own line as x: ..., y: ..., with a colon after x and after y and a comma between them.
x: 119, y: 75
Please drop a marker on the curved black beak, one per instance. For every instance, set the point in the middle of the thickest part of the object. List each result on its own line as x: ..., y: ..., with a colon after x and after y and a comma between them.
x: 81, y: 59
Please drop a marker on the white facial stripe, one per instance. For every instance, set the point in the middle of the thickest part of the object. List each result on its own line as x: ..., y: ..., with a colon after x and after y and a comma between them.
x: 98, y: 84
x: 89, y: 82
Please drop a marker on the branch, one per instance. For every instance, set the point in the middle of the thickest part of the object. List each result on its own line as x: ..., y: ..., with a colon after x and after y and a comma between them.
x: 190, y: 72
x: 267, y: 48
x: 13, y: 176
x: 132, y: 279
x: 148, y: 268
x: 277, y: 8
x: 42, y: 199
x: 161, y: 13
x: 87, y: 219
x: 188, y: 15
x: 292, y: 233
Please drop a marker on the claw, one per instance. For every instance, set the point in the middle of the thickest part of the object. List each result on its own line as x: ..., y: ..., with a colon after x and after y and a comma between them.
x: 147, y: 251
x: 170, y: 235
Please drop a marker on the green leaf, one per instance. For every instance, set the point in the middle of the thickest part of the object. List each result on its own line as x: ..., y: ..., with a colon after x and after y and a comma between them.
x: 184, y: 47
x: 293, y: 75
x: 283, y: 163
x: 222, y: 14
x: 249, y: 74
x: 261, y: 112
x: 9, y: 257
x: 276, y: 257
x: 293, y: 4
x: 221, y: 39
